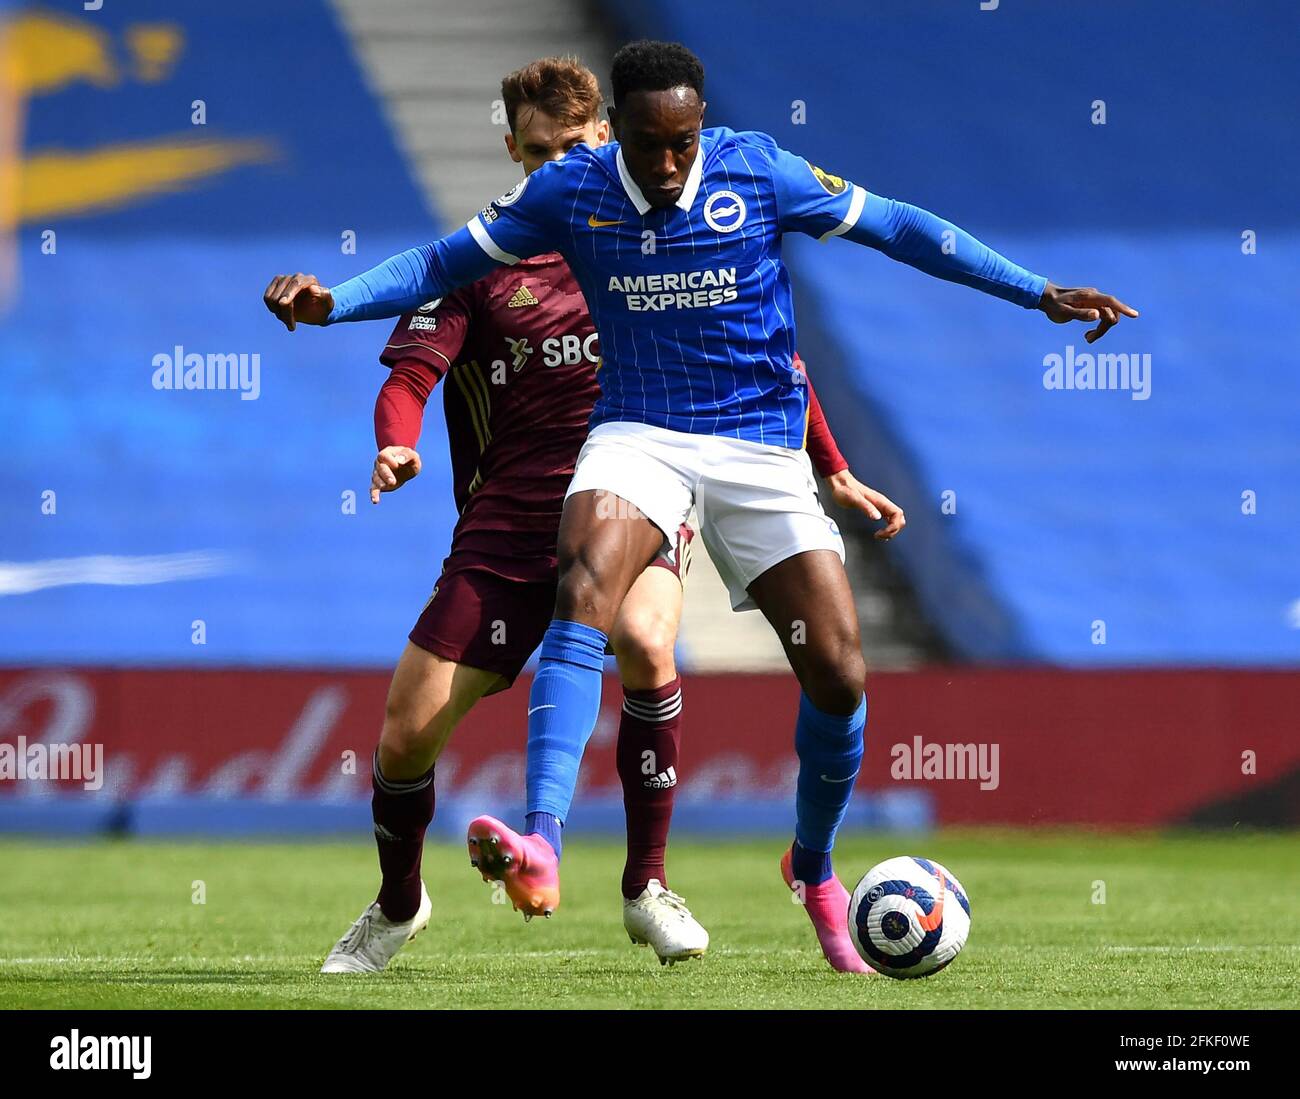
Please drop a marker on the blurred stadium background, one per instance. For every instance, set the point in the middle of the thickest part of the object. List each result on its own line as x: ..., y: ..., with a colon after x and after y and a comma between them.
x: 1105, y: 588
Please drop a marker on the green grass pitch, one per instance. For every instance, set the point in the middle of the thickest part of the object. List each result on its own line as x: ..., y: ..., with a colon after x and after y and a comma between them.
x: 1188, y: 921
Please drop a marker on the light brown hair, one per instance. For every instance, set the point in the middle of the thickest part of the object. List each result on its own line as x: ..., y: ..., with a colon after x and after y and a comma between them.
x: 562, y: 87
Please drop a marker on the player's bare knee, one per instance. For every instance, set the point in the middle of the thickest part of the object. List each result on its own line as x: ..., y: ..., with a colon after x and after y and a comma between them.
x: 834, y: 696
x: 405, y: 742
x: 835, y: 683
x: 399, y: 745
x: 582, y: 595
x: 643, y: 642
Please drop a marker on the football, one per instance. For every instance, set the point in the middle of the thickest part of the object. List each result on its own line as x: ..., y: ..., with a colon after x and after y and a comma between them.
x: 909, y: 917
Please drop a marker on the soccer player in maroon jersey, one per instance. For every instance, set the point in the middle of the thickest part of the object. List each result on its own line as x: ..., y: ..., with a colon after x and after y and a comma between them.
x: 517, y: 354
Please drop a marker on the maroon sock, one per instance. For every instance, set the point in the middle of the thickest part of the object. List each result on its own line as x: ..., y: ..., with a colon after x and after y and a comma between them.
x: 402, y: 812
x: 648, y: 737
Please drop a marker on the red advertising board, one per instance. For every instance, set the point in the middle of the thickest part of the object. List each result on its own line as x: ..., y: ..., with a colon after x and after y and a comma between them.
x: 1000, y: 746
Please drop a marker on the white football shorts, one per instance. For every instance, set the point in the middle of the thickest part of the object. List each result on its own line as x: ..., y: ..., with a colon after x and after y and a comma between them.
x: 756, y: 505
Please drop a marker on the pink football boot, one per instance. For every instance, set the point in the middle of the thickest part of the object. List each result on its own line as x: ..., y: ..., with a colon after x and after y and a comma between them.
x: 527, y: 865
x: 827, y: 905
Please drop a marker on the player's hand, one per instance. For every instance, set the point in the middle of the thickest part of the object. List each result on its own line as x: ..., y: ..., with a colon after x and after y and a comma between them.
x: 394, y: 466
x: 849, y: 492
x: 1062, y: 304
x: 298, y: 299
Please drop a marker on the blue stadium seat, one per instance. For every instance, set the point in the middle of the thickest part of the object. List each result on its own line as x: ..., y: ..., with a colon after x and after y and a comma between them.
x: 241, y: 499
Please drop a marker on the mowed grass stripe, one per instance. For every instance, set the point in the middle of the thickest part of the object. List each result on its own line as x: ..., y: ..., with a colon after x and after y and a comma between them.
x: 1188, y: 921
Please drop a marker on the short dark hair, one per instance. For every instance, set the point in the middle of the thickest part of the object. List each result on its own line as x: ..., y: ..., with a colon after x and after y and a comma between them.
x: 648, y: 66
x: 562, y: 87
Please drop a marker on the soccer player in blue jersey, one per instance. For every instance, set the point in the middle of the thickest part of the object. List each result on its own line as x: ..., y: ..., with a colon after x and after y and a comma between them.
x: 674, y: 235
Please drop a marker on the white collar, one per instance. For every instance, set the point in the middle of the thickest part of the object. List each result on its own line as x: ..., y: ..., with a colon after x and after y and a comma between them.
x: 684, y: 201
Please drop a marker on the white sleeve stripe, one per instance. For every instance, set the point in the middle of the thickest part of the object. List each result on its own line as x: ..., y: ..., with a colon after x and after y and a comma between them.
x: 488, y: 245
x: 856, y: 203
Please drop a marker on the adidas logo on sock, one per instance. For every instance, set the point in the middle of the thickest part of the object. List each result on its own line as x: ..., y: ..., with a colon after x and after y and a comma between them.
x: 383, y: 833
x: 521, y: 297
x: 664, y: 780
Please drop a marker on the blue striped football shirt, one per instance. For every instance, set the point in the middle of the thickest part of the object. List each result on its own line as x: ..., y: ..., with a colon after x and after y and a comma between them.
x: 692, y: 303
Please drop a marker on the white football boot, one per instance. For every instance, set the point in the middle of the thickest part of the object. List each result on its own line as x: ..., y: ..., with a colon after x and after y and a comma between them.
x: 372, y: 941
x: 660, y: 918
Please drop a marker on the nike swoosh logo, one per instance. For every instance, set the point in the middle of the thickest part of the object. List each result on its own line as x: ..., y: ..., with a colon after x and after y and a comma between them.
x: 596, y: 223
x: 548, y: 706
x: 827, y: 778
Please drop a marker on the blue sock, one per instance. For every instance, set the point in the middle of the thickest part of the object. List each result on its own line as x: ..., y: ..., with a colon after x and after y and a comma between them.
x: 829, y: 747
x: 811, y: 867
x: 548, y: 826
x: 562, y: 710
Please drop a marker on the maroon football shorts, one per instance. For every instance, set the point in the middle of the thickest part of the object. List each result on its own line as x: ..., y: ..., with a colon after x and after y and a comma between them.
x: 487, y: 621
x: 479, y: 618
x: 676, y: 558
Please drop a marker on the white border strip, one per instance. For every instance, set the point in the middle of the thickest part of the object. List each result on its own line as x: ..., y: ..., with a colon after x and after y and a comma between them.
x: 856, y: 204
x: 485, y: 242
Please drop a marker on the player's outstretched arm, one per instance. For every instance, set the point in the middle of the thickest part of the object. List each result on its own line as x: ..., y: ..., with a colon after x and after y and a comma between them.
x: 920, y: 239
x: 389, y: 289
x: 526, y: 221
x: 822, y: 205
